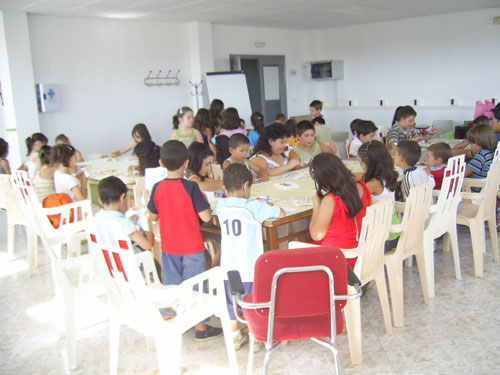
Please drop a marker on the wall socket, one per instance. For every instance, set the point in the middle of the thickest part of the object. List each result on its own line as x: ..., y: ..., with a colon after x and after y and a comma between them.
x: 496, y: 20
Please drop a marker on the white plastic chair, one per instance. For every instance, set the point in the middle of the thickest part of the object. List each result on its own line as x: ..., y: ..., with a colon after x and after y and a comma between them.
x: 72, y: 222
x: 15, y: 216
x: 136, y: 304
x: 411, y: 242
x: 474, y: 215
x: 141, y: 194
x: 382, y: 133
x: 443, y: 219
x: 369, y: 266
x: 74, y: 280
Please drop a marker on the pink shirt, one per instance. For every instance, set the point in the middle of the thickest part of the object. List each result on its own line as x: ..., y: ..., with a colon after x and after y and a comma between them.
x: 229, y: 133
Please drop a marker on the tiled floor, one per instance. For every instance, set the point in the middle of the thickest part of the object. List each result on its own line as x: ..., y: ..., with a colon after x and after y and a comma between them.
x: 459, y: 333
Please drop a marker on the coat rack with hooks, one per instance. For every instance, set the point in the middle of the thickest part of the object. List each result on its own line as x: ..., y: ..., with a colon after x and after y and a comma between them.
x: 160, y: 80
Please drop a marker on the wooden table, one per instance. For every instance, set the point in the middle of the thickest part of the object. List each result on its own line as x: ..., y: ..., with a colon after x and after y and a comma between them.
x: 295, y: 200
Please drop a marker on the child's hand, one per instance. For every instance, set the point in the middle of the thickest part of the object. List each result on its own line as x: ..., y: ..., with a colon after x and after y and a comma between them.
x: 433, y: 131
x: 114, y: 154
x: 132, y: 168
x: 427, y: 170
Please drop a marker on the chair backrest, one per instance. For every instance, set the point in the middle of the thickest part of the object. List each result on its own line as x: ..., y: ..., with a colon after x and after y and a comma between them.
x: 124, y: 283
x: 491, y: 189
x: 303, y: 293
x: 241, y: 241
x: 416, y: 211
x: 217, y: 172
x: 73, y: 216
x: 374, y: 232
x: 382, y: 133
x: 496, y: 157
x: 141, y: 194
x: 9, y: 199
x: 450, y: 194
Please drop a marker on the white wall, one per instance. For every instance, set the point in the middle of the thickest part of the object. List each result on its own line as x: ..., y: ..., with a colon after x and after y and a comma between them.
x: 432, y: 59
x: 293, y: 44
x: 101, y: 66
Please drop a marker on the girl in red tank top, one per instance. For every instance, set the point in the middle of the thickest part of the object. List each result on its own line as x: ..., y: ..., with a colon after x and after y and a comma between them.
x: 339, y: 204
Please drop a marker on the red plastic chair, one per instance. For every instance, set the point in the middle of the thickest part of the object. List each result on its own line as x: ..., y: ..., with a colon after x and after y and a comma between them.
x: 297, y: 294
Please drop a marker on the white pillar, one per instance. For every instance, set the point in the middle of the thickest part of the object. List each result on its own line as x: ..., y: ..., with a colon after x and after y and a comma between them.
x: 202, y: 58
x: 19, y: 113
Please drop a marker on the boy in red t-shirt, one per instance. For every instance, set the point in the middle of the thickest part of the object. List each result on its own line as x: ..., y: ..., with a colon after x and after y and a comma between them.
x: 179, y: 204
x: 437, y: 159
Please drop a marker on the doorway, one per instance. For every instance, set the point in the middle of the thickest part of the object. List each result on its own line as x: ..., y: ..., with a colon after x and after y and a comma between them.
x: 265, y: 75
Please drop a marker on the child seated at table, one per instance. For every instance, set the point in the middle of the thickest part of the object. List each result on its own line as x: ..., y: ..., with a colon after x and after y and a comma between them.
x: 339, y: 204
x: 64, y: 156
x: 308, y: 147
x: 463, y: 147
x: 364, y: 133
x: 483, y: 144
x: 437, y: 159
x: 239, y: 145
x: 140, y: 133
x: 406, y: 156
x: 61, y: 139
x: 241, y: 229
x: 43, y: 182
x: 179, y: 204
x: 404, y: 127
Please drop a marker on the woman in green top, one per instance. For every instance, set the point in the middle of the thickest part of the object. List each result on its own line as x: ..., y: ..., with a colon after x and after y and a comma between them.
x: 308, y: 147
x: 184, y: 132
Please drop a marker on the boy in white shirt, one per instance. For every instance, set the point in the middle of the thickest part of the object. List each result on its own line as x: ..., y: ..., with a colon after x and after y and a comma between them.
x: 241, y: 230
x: 364, y: 133
x: 406, y: 157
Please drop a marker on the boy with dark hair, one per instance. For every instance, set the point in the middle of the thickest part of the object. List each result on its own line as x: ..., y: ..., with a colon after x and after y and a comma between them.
x: 407, y: 155
x: 239, y: 145
x: 308, y: 147
x: 241, y: 229
x: 365, y: 131
x: 404, y: 127
x: 179, y: 204
x: 323, y: 134
x: 113, y: 198
x: 437, y: 159
x: 280, y: 118
x: 315, y: 108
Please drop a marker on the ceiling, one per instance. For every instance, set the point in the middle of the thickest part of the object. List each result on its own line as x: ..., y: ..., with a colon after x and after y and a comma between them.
x: 287, y: 14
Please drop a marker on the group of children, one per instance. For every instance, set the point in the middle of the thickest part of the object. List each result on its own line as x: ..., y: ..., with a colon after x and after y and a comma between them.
x: 180, y: 204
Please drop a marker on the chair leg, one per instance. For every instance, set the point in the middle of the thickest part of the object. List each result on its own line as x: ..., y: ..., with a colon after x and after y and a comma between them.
x: 168, y: 351
x: 70, y: 326
x: 454, y: 249
x: 422, y: 272
x: 114, y: 344
x: 477, y: 235
x: 395, y: 276
x: 429, y: 265
x: 32, y: 244
x: 250, y: 354
x: 352, y: 313
x: 492, y: 226
x: 336, y: 359
x: 11, y: 229
x: 446, y: 243
x: 267, y: 358
x: 228, y: 337
x: 384, y: 302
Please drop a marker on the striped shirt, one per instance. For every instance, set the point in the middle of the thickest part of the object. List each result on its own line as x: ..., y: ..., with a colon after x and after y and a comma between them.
x: 480, y: 165
x: 412, y: 177
x: 398, y: 133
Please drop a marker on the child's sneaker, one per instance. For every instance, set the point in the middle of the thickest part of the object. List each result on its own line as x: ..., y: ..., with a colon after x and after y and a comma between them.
x: 208, y: 334
x: 240, y: 340
x: 257, y: 346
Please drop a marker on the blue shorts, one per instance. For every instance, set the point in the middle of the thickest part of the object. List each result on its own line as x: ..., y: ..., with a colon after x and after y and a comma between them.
x: 247, y: 286
x: 177, y: 268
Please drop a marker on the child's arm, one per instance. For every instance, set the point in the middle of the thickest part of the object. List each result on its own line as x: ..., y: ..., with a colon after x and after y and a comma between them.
x: 461, y: 145
x: 79, y: 193
x: 209, y: 184
x: 152, y: 216
x: 321, y: 217
x: 199, y: 138
x: 5, y: 166
x: 226, y: 164
x: 145, y: 240
x: 123, y: 150
x: 262, y: 173
x: 205, y: 215
x: 173, y: 136
x: 79, y: 157
x: 282, y: 213
x: 261, y: 163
